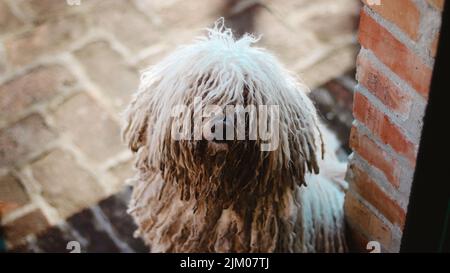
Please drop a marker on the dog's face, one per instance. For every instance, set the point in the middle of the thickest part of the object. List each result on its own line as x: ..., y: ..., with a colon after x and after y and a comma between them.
x: 219, y: 153
x: 223, y: 120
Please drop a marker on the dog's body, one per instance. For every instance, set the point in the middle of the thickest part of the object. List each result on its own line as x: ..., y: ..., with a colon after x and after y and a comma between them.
x: 204, y: 196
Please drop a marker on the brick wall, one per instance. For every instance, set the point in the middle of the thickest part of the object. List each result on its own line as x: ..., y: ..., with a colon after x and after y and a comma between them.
x: 394, y: 67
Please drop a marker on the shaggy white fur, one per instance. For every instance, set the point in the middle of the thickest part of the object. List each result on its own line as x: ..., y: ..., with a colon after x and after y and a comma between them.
x: 190, y: 196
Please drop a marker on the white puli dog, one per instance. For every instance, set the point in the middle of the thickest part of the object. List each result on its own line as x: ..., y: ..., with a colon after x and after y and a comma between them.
x: 212, y: 195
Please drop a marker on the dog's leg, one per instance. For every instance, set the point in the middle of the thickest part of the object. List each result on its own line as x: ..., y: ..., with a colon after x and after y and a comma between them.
x: 321, y: 214
x: 321, y: 204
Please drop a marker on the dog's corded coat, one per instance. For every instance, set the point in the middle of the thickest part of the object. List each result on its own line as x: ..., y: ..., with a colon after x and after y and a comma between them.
x: 202, y: 196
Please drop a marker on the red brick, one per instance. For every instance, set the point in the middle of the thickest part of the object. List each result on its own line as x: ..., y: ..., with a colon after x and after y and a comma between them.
x: 400, y: 59
x: 381, y: 126
x: 362, y: 217
x: 37, y: 85
x: 402, y: 13
x: 32, y: 223
x: 375, y: 156
x: 382, y: 87
x: 367, y: 188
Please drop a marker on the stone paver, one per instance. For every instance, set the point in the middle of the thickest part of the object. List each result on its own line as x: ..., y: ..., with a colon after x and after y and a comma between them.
x: 64, y: 184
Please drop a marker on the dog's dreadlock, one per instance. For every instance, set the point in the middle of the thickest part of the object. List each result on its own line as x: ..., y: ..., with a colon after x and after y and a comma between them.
x: 191, y: 196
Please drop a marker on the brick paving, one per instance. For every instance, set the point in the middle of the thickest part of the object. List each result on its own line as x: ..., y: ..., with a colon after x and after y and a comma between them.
x: 104, y: 227
x: 66, y: 73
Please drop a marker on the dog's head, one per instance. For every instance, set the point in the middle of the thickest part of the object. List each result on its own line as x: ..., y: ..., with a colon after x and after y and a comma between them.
x: 222, y: 119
